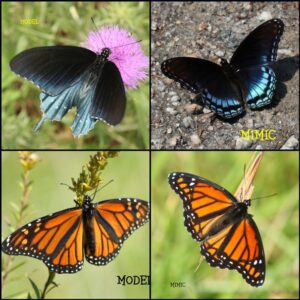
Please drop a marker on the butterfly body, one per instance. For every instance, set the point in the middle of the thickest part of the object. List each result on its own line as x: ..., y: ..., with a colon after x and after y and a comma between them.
x: 72, y: 76
x: 228, y: 234
x: 233, y: 216
x: 248, y: 78
x: 96, y: 230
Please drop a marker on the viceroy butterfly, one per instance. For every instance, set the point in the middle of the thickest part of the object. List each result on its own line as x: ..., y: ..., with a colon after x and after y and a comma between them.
x: 97, y: 231
x: 230, y: 238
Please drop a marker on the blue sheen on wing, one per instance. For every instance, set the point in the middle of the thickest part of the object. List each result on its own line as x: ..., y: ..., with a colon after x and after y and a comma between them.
x: 83, y: 121
x: 74, y: 77
x: 227, y: 107
x: 247, y: 78
x: 55, y: 107
x: 260, y: 84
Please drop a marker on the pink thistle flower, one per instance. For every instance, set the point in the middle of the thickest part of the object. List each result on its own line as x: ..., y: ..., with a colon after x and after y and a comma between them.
x: 126, y: 53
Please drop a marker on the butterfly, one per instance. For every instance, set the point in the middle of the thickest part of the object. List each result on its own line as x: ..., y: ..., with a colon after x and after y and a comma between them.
x: 72, y: 76
x: 247, y: 78
x: 62, y: 239
x: 229, y: 236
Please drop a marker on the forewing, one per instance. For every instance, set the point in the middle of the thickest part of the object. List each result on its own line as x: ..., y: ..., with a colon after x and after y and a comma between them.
x: 204, y: 202
x: 206, y: 79
x: 53, y: 68
x: 260, y: 46
x: 55, y: 239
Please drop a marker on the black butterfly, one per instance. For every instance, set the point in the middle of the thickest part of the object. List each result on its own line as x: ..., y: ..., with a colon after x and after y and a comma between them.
x: 73, y: 76
x: 248, y: 77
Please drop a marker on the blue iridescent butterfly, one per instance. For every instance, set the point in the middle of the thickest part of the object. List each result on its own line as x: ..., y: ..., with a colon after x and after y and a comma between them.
x: 72, y: 76
x: 247, y: 78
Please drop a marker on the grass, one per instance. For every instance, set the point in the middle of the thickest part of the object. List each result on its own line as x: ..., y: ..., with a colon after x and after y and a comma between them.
x: 67, y: 23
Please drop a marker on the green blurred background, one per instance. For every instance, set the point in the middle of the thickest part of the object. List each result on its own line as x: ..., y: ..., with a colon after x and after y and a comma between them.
x: 130, y: 172
x: 67, y: 23
x: 175, y: 255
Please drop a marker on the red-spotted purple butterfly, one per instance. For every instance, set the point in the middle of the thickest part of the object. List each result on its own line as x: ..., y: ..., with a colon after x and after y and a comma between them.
x: 247, y: 78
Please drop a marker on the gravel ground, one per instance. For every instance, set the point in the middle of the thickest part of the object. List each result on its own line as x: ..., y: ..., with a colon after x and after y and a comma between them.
x: 207, y: 30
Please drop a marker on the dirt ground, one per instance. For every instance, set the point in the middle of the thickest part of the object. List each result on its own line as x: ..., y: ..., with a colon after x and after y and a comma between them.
x: 207, y: 30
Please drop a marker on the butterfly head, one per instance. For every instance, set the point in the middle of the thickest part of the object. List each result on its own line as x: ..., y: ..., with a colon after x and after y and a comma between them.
x: 87, y: 199
x: 247, y: 202
x: 105, y: 53
x: 87, y: 203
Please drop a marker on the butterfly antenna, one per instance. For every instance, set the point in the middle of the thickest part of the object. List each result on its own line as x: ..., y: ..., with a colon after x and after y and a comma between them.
x: 97, y: 32
x: 99, y: 189
x: 126, y: 44
x: 262, y: 197
x: 243, y: 185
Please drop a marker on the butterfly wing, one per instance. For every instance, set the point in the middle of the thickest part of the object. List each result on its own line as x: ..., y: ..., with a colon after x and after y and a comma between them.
x: 113, y: 222
x: 98, y: 94
x: 207, y: 79
x: 56, y: 239
x: 259, y: 84
x: 251, y: 60
x: 204, y: 202
x: 234, y: 245
x: 52, y: 68
x: 238, y: 247
x: 55, y: 107
x: 260, y: 46
x: 109, y: 101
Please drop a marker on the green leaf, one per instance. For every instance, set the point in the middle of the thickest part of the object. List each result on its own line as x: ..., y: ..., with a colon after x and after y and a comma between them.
x: 36, y: 290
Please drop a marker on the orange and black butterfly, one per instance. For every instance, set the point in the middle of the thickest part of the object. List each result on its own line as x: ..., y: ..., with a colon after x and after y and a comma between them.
x: 97, y: 231
x: 230, y: 238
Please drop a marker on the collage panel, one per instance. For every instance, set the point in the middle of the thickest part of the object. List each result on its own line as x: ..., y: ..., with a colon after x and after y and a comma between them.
x: 150, y: 150
x: 95, y: 204
x: 75, y: 75
x: 206, y: 244
x: 224, y: 75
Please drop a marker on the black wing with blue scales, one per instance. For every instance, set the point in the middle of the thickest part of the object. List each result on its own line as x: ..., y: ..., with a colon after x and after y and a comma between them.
x: 207, y: 79
x: 248, y: 78
x: 53, y: 68
x: 74, y: 77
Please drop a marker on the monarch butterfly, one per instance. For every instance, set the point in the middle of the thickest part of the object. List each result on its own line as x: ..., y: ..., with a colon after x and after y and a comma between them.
x: 230, y: 238
x: 97, y: 230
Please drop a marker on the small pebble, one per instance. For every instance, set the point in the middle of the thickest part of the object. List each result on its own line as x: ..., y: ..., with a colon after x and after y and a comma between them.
x: 291, y: 143
x: 175, y: 98
x: 206, y: 110
x: 171, y: 110
x: 187, y: 122
x: 173, y: 141
x: 242, y: 144
x: 195, y: 140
